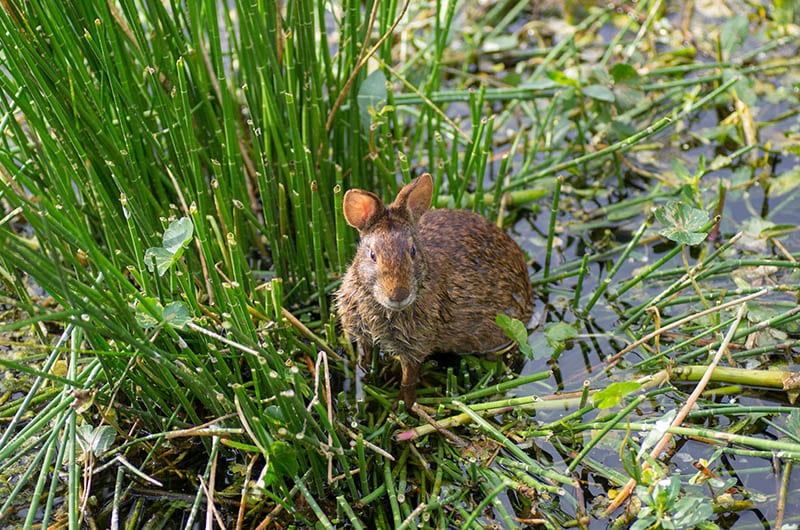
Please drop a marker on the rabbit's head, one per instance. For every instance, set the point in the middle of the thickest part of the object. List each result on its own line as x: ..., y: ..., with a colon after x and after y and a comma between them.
x: 390, y: 260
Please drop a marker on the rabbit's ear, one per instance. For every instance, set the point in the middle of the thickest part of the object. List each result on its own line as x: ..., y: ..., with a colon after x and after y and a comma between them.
x: 361, y: 208
x: 416, y: 196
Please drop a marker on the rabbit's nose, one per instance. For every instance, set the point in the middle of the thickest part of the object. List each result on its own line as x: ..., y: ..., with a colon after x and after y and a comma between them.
x: 399, y: 294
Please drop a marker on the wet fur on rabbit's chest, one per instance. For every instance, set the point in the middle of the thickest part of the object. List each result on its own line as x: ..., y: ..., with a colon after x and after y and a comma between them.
x: 408, y: 333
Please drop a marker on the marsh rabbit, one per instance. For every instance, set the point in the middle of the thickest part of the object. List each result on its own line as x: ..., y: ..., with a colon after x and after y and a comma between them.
x: 425, y: 281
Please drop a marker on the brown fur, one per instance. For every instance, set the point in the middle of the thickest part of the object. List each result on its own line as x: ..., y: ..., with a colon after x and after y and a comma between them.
x: 442, y: 296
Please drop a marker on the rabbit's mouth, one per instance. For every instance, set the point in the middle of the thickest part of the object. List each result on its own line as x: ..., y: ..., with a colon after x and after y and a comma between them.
x: 398, y: 306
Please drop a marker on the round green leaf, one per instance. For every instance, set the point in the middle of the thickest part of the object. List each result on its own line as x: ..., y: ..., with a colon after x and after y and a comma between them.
x: 371, y: 97
x: 178, y: 234
x: 516, y: 331
x: 622, y: 72
x: 161, y: 257
x: 176, y: 315
x: 558, y: 333
x: 682, y: 223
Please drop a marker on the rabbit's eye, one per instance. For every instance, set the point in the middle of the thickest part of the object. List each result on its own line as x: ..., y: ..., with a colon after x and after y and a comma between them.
x: 372, y: 255
x: 413, y: 251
